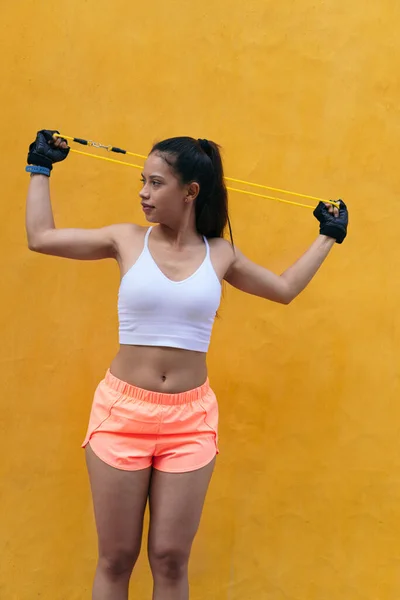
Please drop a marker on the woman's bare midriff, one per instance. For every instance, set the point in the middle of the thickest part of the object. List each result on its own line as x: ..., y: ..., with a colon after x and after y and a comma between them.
x: 167, y: 370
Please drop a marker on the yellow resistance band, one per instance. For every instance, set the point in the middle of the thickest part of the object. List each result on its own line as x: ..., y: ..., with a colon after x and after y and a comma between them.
x: 257, y: 185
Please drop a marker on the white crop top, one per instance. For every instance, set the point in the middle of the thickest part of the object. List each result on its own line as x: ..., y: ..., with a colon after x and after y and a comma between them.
x: 153, y: 310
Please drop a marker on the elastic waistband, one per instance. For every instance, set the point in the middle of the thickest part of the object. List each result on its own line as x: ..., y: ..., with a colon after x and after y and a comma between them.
x: 155, y: 397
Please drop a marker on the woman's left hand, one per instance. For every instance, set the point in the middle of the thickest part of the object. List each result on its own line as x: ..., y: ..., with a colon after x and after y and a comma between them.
x: 333, y: 220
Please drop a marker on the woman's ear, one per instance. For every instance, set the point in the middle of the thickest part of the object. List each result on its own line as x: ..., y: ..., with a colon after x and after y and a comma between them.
x: 192, y: 191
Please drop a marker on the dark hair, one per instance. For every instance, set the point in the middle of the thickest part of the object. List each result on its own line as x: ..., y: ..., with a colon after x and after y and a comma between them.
x: 200, y: 161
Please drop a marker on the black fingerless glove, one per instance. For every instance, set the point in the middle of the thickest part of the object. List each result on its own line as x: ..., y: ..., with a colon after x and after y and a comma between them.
x: 331, y: 226
x: 44, y: 154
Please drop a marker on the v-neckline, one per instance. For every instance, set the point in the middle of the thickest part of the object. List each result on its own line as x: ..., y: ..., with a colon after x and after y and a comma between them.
x: 162, y: 272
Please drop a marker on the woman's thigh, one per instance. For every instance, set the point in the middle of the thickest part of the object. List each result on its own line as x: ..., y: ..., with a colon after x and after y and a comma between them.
x: 176, y: 504
x: 119, y: 501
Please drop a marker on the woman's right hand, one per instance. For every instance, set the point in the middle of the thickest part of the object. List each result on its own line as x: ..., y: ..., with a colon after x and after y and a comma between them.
x: 46, y: 150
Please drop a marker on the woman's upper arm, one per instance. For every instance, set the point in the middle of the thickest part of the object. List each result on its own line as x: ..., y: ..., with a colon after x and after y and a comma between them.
x: 254, y: 279
x: 82, y: 244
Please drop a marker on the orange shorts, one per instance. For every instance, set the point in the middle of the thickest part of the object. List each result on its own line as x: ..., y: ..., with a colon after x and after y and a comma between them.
x: 131, y: 428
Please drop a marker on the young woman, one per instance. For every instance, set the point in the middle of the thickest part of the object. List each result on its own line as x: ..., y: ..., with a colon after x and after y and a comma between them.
x: 153, y: 426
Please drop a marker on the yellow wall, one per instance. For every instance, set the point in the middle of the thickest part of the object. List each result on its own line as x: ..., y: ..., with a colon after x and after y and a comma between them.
x: 305, y: 503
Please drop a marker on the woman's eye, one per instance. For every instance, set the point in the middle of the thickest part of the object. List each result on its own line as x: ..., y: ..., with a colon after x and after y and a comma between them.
x: 142, y: 181
x: 156, y: 183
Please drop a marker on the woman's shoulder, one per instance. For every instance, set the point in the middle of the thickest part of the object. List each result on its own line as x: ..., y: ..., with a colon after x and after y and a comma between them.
x: 128, y: 235
x: 124, y: 231
x: 129, y: 240
x: 221, y: 245
x: 222, y: 255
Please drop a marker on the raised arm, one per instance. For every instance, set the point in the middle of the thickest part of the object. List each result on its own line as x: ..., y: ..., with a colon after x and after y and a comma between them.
x: 44, y: 237
x: 256, y: 280
x: 42, y: 234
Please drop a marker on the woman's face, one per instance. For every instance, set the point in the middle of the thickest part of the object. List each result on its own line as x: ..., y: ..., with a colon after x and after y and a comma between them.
x: 164, y: 197
x: 163, y: 194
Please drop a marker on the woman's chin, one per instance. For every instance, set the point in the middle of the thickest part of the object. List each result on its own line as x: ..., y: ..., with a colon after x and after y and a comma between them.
x: 150, y: 219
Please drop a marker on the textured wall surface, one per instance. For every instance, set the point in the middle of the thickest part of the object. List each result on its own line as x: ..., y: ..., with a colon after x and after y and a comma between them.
x: 305, y: 502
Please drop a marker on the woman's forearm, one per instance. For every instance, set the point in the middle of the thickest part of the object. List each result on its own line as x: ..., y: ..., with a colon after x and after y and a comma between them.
x: 39, y: 213
x: 299, y: 275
